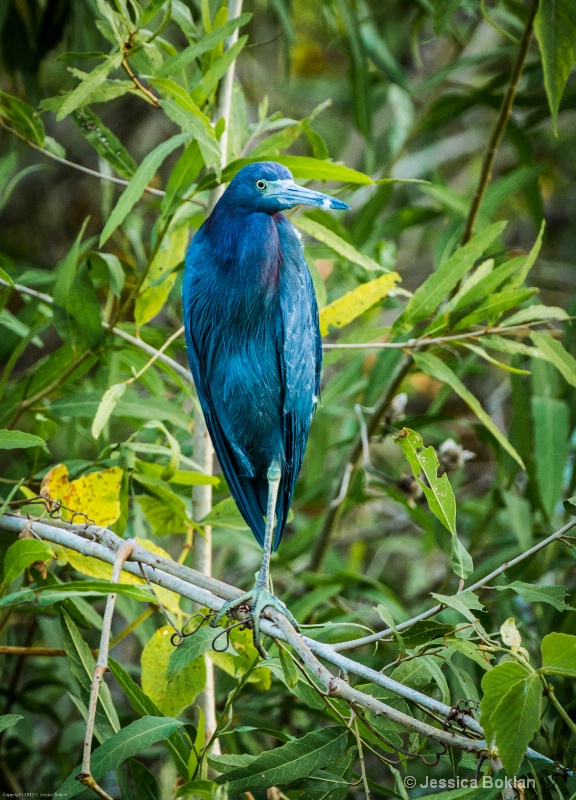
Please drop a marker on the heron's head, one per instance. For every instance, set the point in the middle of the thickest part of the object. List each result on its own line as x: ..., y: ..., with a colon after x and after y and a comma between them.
x: 269, y: 187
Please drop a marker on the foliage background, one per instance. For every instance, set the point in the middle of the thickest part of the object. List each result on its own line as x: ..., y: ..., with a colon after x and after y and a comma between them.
x: 414, y: 91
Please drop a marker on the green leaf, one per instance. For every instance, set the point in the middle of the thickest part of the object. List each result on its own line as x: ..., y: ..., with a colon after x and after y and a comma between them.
x: 83, y: 310
x: 21, y: 554
x: 537, y: 312
x: 424, y: 631
x: 182, y: 178
x: 14, y: 440
x: 436, y: 368
x: 437, y: 490
x: 126, y: 743
x: 143, y: 705
x: 551, y: 419
x: 482, y: 283
x: 559, y: 654
x: 463, y: 602
x: 171, y: 696
x: 107, y: 268
x: 479, y: 351
x: 82, y: 665
x: 225, y: 514
x: 336, y: 243
x: 460, y: 559
x: 7, y: 720
x: 89, y: 84
x: 160, y: 276
x: 554, y: 352
x: 290, y: 762
x: 555, y: 28
x: 139, y: 182
x: 166, y: 515
x: 54, y: 594
x: 109, y: 400
x: 510, y: 711
x: 354, y: 303
x: 301, y: 167
x: 181, y: 60
x: 5, y: 277
x: 438, y: 286
x: 534, y: 593
x: 192, y: 648
x: 22, y: 118
x: 219, y: 68
x: 184, y: 112
x: 106, y: 144
x: 493, y: 308
x: 291, y: 675
x: 530, y: 259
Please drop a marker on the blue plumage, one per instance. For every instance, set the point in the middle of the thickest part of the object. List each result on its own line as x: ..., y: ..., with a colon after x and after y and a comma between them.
x: 253, y: 339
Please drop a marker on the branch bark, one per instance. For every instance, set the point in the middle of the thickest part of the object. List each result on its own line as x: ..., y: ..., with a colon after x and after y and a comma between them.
x: 103, y: 544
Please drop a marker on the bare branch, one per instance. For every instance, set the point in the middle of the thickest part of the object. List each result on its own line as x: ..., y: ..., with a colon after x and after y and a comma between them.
x: 85, y: 777
x: 103, y: 544
x: 375, y: 637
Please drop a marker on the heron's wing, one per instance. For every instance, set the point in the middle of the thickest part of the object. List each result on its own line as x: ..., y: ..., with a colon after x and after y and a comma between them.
x: 249, y: 495
x: 300, y: 358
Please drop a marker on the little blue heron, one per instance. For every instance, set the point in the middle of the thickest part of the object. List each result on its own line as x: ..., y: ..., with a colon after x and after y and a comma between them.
x: 254, y: 348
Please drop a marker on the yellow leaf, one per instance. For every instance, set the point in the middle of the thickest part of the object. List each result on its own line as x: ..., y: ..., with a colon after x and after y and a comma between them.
x: 93, y: 498
x: 95, y: 568
x: 509, y: 633
x: 354, y: 303
x: 174, y: 696
x: 160, y: 278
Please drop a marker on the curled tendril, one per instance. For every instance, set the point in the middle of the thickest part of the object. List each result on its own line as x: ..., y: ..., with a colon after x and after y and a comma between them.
x: 226, y: 632
x: 459, y: 712
x: 437, y: 756
x: 179, y: 635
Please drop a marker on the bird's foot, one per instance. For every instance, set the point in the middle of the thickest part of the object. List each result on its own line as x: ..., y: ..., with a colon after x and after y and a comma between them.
x: 260, y: 597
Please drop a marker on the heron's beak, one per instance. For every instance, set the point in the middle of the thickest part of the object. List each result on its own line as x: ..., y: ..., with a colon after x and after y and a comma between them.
x: 290, y: 194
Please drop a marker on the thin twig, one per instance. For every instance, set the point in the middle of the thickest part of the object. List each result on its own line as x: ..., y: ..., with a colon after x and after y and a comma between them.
x: 13, y: 650
x: 157, y: 354
x: 500, y: 127
x: 85, y: 777
x: 413, y: 344
x: 375, y: 637
x: 150, y: 96
x: 95, y: 174
x: 133, y: 340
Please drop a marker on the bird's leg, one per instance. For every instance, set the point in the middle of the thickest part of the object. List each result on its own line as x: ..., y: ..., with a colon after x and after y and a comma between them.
x: 260, y: 595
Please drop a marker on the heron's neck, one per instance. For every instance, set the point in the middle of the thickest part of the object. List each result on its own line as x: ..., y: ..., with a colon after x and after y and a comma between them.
x: 245, y: 245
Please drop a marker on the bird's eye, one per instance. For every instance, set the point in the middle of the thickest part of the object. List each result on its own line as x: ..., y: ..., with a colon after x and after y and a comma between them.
x: 260, y: 184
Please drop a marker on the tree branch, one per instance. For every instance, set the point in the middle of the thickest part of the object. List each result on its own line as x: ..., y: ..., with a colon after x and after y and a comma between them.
x: 183, y: 372
x: 103, y: 544
x: 375, y: 637
x: 85, y: 777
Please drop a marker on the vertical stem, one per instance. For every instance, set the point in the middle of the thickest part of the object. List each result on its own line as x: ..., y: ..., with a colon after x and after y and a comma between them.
x: 203, y: 451
x: 85, y: 775
x: 500, y: 127
x: 226, y: 88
